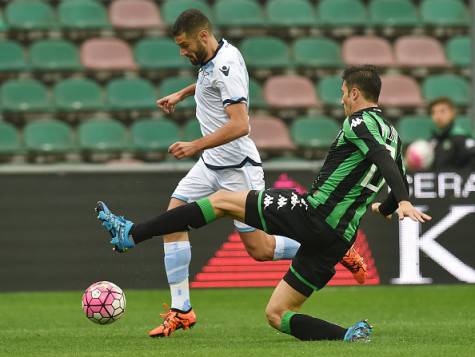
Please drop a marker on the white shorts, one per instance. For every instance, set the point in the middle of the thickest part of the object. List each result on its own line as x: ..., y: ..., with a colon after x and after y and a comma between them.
x: 201, y: 182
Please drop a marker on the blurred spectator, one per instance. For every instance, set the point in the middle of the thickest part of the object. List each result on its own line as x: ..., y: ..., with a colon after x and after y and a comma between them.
x: 453, y: 146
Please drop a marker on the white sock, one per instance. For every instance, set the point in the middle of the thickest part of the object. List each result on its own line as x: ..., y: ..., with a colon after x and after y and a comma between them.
x: 177, y: 262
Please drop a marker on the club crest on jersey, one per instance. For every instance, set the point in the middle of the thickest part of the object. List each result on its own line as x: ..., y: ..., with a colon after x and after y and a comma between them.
x: 356, y: 121
x: 225, y: 70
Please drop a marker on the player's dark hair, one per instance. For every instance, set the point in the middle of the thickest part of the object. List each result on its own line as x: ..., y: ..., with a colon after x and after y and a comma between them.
x: 191, y: 21
x: 442, y: 100
x: 366, y: 79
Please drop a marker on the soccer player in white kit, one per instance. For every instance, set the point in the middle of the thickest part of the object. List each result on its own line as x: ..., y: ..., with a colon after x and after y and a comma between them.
x: 229, y: 161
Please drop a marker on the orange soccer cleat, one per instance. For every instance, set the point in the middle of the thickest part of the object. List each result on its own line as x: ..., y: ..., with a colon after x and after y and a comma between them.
x: 354, y: 263
x: 173, y: 320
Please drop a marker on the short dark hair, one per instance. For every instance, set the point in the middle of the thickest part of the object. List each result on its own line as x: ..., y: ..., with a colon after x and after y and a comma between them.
x: 442, y: 100
x: 366, y: 79
x: 191, y: 21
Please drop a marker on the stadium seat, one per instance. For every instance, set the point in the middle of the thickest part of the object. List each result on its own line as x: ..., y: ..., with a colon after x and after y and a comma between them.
x: 29, y: 15
x: 342, y: 13
x: 238, y: 13
x: 393, y: 13
x: 466, y: 123
x: 3, y: 24
x: 414, y: 127
x: 12, y: 56
x: 134, y: 14
x: 257, y: 99
x: 172, y: 8
x: 102, y: 135
x: 83, y: 15
x: 314, y: 132
x: 290, y: 92
x: 447, y: 85
x: 329, y: 90
x: 107, y: 54
x: 192, y: 130
x: 419, y: 51
x: 173, y: 84
x: 459, y: 51
x: 48, y: 136
x: 24, y: 95
x: 270, y: 134
x: 317, y: 52
x: 9, y: 139
x: 400, y: 91
x: 444, y: 13
x: 360, y: 50
x: 130, y: 94
x: 290, y: 13
x: 265, y: 52
x: 50, y: 55
x: 154, y: 134
x: 78, y: 94
x: 159, y: 53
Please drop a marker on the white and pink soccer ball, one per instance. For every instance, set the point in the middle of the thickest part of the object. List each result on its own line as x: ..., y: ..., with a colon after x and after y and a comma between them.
x: 419, y: 155
x: 103, y: 302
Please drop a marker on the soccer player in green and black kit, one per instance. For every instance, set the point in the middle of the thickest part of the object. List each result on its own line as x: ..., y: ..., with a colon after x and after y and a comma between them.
x: 365, y: 154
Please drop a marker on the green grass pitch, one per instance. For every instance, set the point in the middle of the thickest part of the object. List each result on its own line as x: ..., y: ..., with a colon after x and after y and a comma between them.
x: 408, y: 321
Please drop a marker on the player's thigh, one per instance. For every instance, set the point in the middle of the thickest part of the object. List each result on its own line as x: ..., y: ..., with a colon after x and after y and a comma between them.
x: 230, y: 204
x: 199, y: 182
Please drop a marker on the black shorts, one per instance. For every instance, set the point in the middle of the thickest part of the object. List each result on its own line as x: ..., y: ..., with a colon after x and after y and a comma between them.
x: 287, y: 213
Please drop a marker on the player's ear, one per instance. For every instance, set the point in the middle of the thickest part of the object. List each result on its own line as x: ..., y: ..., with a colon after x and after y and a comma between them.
x: 203, y: 36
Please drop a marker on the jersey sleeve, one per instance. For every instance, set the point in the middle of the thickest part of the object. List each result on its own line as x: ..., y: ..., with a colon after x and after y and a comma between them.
x: 363, y: 131
x: 232, y: 82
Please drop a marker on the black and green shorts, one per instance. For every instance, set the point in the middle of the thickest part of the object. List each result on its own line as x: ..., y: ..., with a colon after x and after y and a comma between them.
x: 287, y: 213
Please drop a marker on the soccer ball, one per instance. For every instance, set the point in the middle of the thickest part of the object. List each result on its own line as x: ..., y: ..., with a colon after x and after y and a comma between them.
x: 103, y: 302
x: 419, y: 155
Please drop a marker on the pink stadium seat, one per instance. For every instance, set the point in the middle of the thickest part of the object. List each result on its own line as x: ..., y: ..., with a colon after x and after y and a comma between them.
x: 290, y: 92
x: 270, y: 133
x: 419, y: 51
x: 107, y: 54
x: 399, y: 90
x: 134, y: 14
x: 359, y: 50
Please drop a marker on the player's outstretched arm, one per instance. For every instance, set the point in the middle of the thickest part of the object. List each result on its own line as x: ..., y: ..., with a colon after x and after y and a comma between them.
x: 168, y: 103
x: 405, y: 209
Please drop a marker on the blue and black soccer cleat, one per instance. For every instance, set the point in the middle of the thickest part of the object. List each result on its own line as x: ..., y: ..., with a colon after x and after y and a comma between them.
x: 360, y: 331
x: 117, y: 226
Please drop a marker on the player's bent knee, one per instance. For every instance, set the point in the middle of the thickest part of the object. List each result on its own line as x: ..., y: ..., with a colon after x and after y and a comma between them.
x: 274, y: 316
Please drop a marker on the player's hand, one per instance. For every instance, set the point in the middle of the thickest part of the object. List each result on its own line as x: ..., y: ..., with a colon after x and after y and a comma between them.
x: 375, y: 209
x: 168, y: 103
x: 406, y: 209
x: 182, y: 149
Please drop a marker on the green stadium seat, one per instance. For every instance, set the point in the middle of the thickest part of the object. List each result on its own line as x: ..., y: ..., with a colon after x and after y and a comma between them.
x: 290, y: 13
x: 329, y: 90
x: 173, y: 84
x: 103, y: 135
x: 150, y: 135
x: 192, y: 130
x: 3, y: 24
x: 444, y: 13
x: 29, y: 15
x: 83, y: 14
x: 393, y: 13
x: 466, y: 123
x: 50, y: 55
x: 9, y: 139
x: 459, y: 51
x: 314, y: 132
x: 414, y: 127
x: 24, y: 95
x: 265, y: 52
x: 159, y: 53
x: 317, y: 52
x: 256, y: 95
x: 48, y: 136
x: 131, y: 94
x: 342, y: 13
x: 447, y: 85
x: 239, y: 13
x: 172, y: 8
x: 12, y: 57
x: 78, y: 94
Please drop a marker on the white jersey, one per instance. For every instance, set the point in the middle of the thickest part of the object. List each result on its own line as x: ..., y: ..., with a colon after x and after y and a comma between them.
x: 223, y: 80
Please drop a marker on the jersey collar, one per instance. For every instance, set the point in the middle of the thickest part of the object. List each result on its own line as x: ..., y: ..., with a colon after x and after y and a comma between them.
x: 220, y: 44
x: 369, y: 109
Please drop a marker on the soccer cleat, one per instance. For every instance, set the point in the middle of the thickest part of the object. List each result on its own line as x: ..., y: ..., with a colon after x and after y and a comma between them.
x: 360, y: 331
x: 173, y: 320
x: 117, y: 226
x: 355, y: 264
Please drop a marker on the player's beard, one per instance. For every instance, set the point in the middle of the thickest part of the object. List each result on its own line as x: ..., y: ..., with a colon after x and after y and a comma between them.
x: 199, y: 56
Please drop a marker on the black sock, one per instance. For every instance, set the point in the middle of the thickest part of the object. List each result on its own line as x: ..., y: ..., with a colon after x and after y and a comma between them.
x: 307, y: 328
x: 182, y: 218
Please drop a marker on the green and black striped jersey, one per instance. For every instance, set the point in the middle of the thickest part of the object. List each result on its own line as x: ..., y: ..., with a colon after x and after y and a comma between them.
x: 348, y: 181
